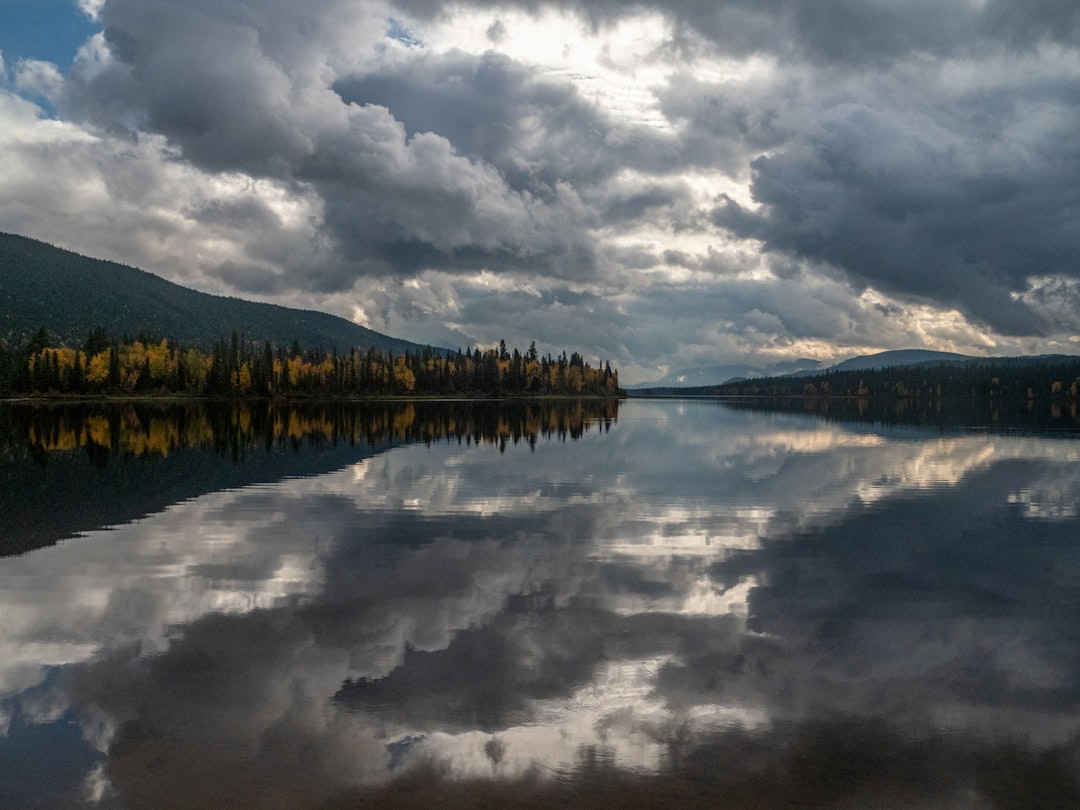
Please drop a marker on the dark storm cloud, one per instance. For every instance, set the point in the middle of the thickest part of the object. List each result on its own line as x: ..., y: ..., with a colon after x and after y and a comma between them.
x: 872, y: 151
x: 249, y: 213
x: 454, y: 161
x: 250, y: 278
x: 646, y: 200
x: 959, y: 203
x: 235, y: 89
x: 537, y: 132
x: 544, y: 141
x: 833, y: 31
x: 201, y: 75
x: 951, y: 181
x: 723, y: 123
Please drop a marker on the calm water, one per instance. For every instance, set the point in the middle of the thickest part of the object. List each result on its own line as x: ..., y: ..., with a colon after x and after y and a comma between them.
x: 658, y: 603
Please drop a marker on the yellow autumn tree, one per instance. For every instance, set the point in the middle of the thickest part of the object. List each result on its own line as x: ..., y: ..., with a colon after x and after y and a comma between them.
x: 296, y: 368
x: 196, y: 367
x: 243, y: 379
x: 574, y: 380
x: 403, y: 375
x: 157, y: 358
x: 98, y: 368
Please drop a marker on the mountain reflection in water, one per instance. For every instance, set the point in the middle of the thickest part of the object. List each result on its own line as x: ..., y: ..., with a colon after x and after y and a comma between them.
x: 110, y: 464
x: 688, y: 606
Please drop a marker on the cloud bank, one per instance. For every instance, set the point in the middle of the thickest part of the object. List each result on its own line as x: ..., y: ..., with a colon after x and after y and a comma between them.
x: 661, y: 184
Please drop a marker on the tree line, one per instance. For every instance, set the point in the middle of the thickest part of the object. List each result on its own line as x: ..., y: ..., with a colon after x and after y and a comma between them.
x: 240, y: 368
x: 1001, y: 379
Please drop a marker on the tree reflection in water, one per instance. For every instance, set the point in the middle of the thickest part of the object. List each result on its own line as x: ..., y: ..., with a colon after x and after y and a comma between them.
x: 112, y: 464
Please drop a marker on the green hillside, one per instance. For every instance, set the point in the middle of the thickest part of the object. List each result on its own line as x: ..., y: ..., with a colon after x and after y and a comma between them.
x: 71, y: 295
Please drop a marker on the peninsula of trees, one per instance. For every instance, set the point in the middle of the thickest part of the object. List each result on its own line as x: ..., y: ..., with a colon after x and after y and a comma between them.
x: 237, y: 367
x: 1048, y: 377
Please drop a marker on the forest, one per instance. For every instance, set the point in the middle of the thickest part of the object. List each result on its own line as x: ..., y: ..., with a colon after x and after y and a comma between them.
x: 996, y: 379
x: 239, y: 368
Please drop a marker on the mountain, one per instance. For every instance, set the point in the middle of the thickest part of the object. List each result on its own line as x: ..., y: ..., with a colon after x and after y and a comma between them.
x: 956, y: 372
x: 71, y: 295
x: 900, y: 357
x: 715, y: 375
x: 803, y: 367
x: 924, y: 376
x: 918, y: 357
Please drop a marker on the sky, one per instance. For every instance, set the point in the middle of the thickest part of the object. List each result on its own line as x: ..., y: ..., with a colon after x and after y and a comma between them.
x: 660, y: 185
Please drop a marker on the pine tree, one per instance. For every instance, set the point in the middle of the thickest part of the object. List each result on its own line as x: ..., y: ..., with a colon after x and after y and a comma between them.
x: 114, y: 367
x: 96, y: 342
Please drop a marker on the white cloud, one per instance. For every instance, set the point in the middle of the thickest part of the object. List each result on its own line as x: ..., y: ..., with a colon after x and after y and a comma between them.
x: 92, y: 8
x: 36, y: 78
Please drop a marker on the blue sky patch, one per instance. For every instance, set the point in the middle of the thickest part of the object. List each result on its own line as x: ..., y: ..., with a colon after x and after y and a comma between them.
x: 49, y: 30
x: 395, y: 30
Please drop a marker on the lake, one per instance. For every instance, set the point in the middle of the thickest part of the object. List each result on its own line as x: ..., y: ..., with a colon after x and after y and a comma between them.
x: 638, y: 604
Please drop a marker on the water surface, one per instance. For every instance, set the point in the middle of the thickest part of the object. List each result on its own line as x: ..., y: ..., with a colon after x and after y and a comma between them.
x: 658, y: 603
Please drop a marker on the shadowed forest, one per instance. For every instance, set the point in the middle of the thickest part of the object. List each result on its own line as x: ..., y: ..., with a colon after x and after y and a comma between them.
x: 998, y: 379
x: 241, y: 368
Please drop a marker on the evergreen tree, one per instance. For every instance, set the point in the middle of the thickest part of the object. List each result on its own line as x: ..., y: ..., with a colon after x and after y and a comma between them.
x: 96, y: 342
x: 114, y: 367
x: 77, y: 375
x: 39, y: 341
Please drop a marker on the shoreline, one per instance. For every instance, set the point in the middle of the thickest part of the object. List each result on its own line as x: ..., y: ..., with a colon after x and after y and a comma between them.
x: 79, y: 399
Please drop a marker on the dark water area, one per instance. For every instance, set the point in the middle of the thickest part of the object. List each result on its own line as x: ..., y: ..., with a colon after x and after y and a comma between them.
x: 645, y: 604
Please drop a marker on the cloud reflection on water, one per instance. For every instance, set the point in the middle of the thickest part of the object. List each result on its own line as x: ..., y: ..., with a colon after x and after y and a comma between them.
x: 667, y: 587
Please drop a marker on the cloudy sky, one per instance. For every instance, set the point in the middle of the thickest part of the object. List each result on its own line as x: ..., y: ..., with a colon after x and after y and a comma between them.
x: 660, y: 184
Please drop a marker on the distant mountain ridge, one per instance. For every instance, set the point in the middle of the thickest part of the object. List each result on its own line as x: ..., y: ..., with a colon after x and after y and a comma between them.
x: 894, y: 359
x: 715, y: 375
x: 922, y: 357
x: 803, y: 367
x: 71, y: 295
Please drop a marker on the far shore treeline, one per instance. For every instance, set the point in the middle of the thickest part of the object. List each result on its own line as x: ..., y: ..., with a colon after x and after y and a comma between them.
x: 235, y: 367
x: 1054, y: 378
x: 997, y: 379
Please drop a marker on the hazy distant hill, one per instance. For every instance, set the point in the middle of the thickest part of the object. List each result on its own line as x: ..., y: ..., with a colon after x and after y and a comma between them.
x: 903, y: 358
x: 899, y: 357
x: 904, y: 373
x: 715, y: 375
x: 71, y: 295
x: 718, y: 375
x: 927, y: 376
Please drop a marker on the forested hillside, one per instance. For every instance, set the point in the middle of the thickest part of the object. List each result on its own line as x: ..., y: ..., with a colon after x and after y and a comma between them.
x: 1001, y: 378
x: 71, y: 295
x: 70, y: 325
